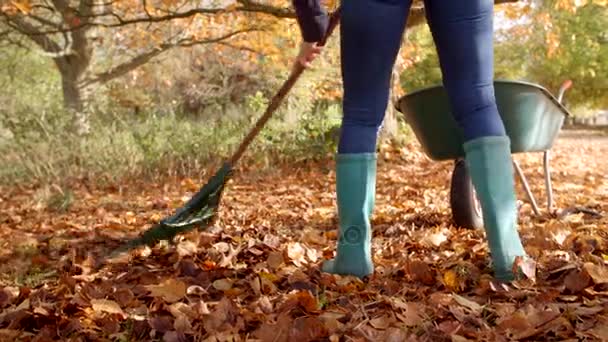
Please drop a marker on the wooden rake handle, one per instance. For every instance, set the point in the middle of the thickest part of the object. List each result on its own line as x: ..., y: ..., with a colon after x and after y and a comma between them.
x: 280, y: 95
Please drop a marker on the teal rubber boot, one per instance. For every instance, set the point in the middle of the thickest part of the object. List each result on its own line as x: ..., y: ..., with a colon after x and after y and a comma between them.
x: 490, y: 166
x: 356, y: 190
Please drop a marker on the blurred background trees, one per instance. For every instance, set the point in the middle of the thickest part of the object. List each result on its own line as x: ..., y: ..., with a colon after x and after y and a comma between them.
x: 131, y: 87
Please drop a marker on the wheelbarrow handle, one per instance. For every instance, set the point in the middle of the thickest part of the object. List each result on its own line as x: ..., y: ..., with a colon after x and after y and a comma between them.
x: 280, y: 95
x: 562, y: 90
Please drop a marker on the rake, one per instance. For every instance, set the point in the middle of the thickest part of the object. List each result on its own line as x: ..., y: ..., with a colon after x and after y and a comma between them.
x: 201, y: 210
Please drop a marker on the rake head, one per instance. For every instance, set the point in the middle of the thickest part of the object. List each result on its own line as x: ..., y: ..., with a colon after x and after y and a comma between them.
x: 199, y: 212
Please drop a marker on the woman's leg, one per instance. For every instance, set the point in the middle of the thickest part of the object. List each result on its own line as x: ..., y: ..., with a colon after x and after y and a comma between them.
x: 371, y: 32
x: 463, y: 34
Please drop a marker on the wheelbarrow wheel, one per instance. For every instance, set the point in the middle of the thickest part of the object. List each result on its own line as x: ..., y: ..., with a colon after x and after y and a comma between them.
x: 466, y: 209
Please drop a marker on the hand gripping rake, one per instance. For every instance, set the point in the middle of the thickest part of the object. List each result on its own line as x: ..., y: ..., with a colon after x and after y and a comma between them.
x: 201, y: 209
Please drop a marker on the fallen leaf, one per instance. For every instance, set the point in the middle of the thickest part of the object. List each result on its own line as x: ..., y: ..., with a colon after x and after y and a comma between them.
x: 331, y: 320
x: 307, y: 301
x: 312, y: 254
x: 123, y: 296
x: 576, y: 281
x: 265, y: 305
x: 222, y: 284
x: 161, y: 323
x: 469, y: 304
x: 307, y: 329
x: 186, y: 248
x: 182, y: 324
x: 4, y: 298
x: 221, y: 247
x: 450, y: 327
x: 296, y: 253
x: 171, y: 290
x: 411, y: 315
x: 107, y: 306
x: 560, y: 236
x: 450, y: 280
x: 275, y: 259
x: 275, y: 332
x: 196, y: 290
x: 182, y: 309
x: 600, y: 331
x: 174, y: 336
x: 201, y: 308
x: 272, y: 241
x: 381, y: 322
x: 420, y: 271
x: 598, y: 273
x: 229, y: 258
x: 42, y: 311
x: 394, y: 335
x: 526, y: 265
x: 435, y: 239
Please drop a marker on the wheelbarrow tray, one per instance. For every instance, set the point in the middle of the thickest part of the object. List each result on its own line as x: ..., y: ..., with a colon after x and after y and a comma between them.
x: 531, y: 114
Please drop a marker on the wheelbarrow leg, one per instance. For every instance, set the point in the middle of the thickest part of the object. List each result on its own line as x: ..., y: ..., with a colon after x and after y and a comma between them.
x: 527, y: 188
x: 548, y: 181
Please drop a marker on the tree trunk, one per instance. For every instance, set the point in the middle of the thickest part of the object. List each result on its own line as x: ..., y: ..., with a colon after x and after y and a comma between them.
x: 390, y: 126
x: 73, y: 103
x: 71, y: 69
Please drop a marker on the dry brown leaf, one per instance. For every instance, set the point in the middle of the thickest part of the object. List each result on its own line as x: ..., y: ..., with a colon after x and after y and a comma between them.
x: 435, y: 239
x: 598, y: 273
x: 123, y: 296
x: 312, y: 254
x: 256, y: 286
x: 576, y: 281
x: 275, y: 259
x: 265, y: 305
x: 223, y: 284
x: 451, y: 281
x: 307, y: 301
x: 186, y: 248
x: 174, y: 336
x: 107, y: 306
x: 275, y: 332
x: 307, y: 329
x: 161, y: 323
x: 381, y: 322
x: 195, y: 290
x: 411, y: 315
x: 171, y: 290
x: 182, y: 309
x: 394, y: 335
x: 182, y: 324
x: 272, y: 241
x: 331, y: 320
x: 296, y: 253
x: 201, y: 308
x: 420, y: 271
x: 5, y: 299
x: 560, y: 235
x: 600, y: 331
x: 467, y: 303
x: 458, y: 338
x: 526, y: 265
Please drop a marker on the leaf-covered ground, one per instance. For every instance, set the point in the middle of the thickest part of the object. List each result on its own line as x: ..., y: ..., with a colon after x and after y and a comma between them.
x: 255, y: 276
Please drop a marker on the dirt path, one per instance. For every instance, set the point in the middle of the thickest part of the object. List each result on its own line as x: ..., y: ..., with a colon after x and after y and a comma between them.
x: 255, y: 274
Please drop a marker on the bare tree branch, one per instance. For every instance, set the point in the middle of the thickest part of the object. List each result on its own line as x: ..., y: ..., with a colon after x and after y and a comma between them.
x: 241, y: 48
x: 143, y: 58
x: 253, y: 6
x: 31, y: 32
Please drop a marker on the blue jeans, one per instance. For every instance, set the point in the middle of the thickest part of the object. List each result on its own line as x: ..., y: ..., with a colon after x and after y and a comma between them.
x: 371, y: 32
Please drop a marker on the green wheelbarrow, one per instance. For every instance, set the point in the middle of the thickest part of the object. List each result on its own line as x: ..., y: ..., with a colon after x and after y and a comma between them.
x: 532, y: 116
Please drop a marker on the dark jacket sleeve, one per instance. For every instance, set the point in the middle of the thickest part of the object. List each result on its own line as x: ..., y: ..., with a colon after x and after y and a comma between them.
x: 312, y: 19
